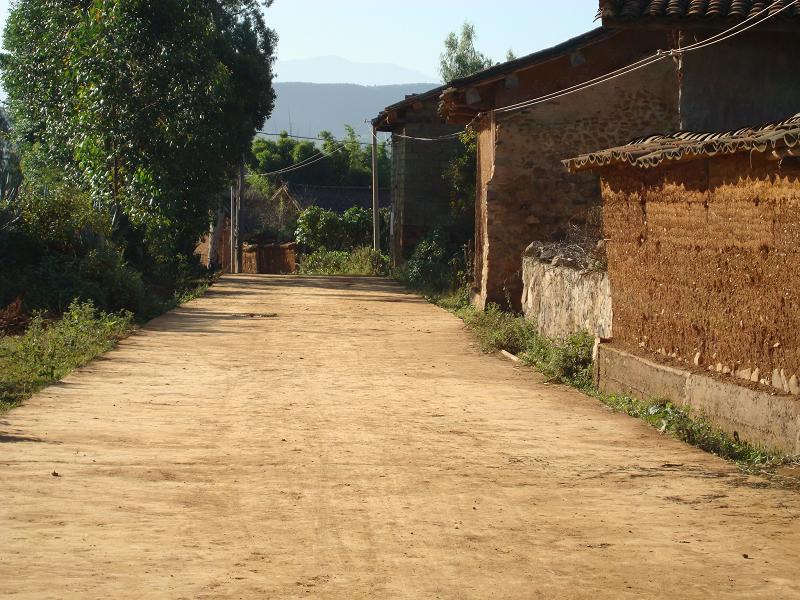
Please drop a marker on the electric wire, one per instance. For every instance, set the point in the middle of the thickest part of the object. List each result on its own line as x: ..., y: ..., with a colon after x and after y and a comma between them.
x: 738, y: 29
x: 660, y: 55
x: 303, y: 164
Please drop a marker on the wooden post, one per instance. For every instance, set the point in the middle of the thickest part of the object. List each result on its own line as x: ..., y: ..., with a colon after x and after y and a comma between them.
x: 376, y: 213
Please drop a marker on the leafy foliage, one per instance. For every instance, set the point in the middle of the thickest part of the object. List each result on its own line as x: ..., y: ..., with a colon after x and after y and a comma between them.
x: 47, y: 352
x: 361, y: 261
x: 460, y: 176
x: 320, y: 229
x: 146, y: 105
x: 349, y: 163
x: 439, y: 261
x: 460, y: 57
x: 10, y: 174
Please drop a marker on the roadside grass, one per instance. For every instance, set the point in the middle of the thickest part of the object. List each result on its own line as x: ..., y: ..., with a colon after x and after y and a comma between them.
x: 50, y: 349
x: 363, y: 262
x: 570, y: 362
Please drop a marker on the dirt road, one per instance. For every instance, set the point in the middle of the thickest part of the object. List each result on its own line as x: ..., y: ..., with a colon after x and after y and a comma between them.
x: 356, y: 444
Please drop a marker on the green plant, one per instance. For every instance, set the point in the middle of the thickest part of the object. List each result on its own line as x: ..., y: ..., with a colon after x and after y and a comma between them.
x: 570, y: 361
x: 439, y: 262
x: 48, y: 351
x: 321, y: 229
x: 146, y: 106
x: 361, y: 261
x: 679, y: 422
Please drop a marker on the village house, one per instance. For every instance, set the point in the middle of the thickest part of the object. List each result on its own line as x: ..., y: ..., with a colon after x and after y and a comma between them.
x: 419, y: 195
x: 703, y: 246
x: 525, y: 195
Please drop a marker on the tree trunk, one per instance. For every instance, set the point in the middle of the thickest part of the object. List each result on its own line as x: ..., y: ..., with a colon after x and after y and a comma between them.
x: 214, y: 241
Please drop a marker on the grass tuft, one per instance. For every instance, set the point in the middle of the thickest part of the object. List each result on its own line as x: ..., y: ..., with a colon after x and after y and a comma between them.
x: 358, y: 262
x: 570, y: 362
x: 48, y: 351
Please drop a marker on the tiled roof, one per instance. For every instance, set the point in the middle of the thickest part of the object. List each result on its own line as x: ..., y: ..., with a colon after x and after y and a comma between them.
x: 692, y: 9
x: 652, y: 151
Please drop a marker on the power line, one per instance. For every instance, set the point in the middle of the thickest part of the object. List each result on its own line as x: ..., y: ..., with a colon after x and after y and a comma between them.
x: 318, y: 139
x: 737, y: 29
x: 660, y: 55
x: 303, y: 164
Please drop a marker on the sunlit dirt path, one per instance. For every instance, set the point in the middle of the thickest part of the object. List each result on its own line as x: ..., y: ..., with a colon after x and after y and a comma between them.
x: 300, y: 437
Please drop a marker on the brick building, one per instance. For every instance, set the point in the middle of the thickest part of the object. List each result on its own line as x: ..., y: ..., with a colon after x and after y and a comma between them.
x: 419, y: 195
x: 703, y: 244
x: 525, y: 195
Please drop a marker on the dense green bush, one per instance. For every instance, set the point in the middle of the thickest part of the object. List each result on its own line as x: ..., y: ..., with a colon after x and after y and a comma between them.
x: 439, y: 262
x: 48, y: 351
x: 361, y: 261
x: 321, y: 229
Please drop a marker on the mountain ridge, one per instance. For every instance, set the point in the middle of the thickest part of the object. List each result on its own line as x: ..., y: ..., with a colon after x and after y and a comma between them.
x: 306, y: 109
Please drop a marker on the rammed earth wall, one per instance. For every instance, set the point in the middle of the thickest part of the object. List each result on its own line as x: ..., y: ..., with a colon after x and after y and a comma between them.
x: 704, y: 261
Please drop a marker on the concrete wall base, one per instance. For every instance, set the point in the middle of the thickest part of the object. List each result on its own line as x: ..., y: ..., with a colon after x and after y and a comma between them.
x: 770, y: 420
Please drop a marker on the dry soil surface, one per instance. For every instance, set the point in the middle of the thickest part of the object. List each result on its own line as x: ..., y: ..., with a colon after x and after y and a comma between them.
x: 300, y: 437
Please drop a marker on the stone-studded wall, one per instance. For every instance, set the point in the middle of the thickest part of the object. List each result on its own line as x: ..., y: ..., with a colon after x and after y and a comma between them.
x: 529, y: 195
x: 420, y: 196
x: 704, y: 260
x: 565, y: 300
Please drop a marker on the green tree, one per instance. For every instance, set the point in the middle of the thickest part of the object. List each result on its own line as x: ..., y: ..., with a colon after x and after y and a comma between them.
x: 10, y: 175
x: 460, y: 57
x: 147, y: 105
x: 349, y: 161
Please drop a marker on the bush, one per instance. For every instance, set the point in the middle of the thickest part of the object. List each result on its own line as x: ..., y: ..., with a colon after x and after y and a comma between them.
x: 320, y: 229
x: 439, y: 262
x: 101, y: 277
x: 47, y: 352
x: 362, y: 261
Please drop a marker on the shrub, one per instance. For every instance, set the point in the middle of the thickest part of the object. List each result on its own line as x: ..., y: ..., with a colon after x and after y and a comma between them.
x: 47, y: 352
x: 320, y: 229
x: 439, y: 262
x: 362, y: 261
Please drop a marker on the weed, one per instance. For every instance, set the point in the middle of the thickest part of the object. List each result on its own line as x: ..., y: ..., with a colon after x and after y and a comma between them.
x: 679, y: 422
x: 361, y: 261
x: 48, y: 351
x: 570, y: 361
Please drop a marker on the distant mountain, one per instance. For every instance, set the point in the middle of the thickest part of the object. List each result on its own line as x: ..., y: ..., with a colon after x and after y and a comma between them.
x: 335, y: 69
x: 308, y: 108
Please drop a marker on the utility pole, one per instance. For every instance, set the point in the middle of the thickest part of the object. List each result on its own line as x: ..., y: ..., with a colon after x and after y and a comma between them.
x: 376, y: 213
x: 233, y: 231
x: 239, y: 192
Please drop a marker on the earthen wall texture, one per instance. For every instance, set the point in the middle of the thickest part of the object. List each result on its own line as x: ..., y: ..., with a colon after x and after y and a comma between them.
x: 704, y: 261
x: 529, y: 195
x: 420, y: 196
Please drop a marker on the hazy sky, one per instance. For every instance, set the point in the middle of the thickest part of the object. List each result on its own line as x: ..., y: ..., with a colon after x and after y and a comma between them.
x: 410, y: 33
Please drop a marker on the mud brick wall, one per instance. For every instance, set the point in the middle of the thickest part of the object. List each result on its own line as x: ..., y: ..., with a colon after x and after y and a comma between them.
x: 420, y: 197
x: 527, y: 195
x: 704, y: 261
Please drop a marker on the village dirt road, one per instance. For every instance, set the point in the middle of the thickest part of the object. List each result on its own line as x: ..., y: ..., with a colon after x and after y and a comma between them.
x: 358, y: 445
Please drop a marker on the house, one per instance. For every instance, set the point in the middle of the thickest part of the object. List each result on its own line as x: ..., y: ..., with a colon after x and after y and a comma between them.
x: 525, y: 195
x: 419, y: 195
x: 703, y: 246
